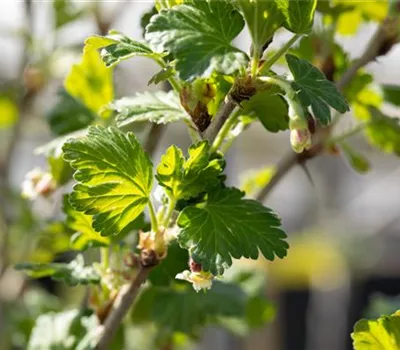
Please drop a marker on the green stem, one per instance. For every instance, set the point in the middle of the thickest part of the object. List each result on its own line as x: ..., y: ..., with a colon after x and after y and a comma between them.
x: 105, y: 257
x: 268, y: 64
x: 346, y: 135
x: 153, y: 217
x: 172, y: 80
x: 170, y: 210
x: 254, y: 62
x: 226, y: 128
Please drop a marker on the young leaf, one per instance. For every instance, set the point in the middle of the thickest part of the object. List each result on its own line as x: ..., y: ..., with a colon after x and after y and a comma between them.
x: 72, y: 274
x: 65, y: 12
x: 299, y: 14
x: 59, y: 168
x: 199, y: 35
x: 384, y: 132
x: 85, y: 237
x: 380, y: 334
x: 315, y: 90
x: 184, y: 179
x: 391, y: 94
x: 116, y: 47
x: 157, y: 107
x: 68, y: 115
x: 90, y: 81
x: 356, y: 160
x: 263, y: 18
x: 227, y: 227
x: 114, y: 177
x: 270, y: 109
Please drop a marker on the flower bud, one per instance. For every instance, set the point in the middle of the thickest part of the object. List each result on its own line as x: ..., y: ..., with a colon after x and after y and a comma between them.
x: 300, y: 139
x: 38, y: 183
x: 153, y: 242
x: 297, y: 123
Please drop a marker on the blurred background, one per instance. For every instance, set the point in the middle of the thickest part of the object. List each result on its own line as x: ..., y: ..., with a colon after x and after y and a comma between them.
x: 344, y: 228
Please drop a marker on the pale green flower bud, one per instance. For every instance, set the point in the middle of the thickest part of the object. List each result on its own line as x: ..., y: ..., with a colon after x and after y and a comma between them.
x: 300, y: 139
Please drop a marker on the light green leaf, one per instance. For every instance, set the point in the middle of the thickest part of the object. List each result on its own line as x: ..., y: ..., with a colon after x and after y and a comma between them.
x: 384, y: 132
x: 186, y: 178
x: 380, y: 334
x: 299, y: 14
x: 199, y: 35
x: 228, y: 226
x: 68, y: 115
x: 65, y: 12
x: 8, y: 112
x: 63, y: 331
x: 262, y: 17
x: 85, y: 236
x: 59, y: 168
x: 356, y: 160
x: 255, y: 180
x: 116, y: 47
x: 72, y: 273
x: 315, y: 90
x: 114, y: 177
x: 90, y: 81
x: 157, y: 107
x: 271, y: 109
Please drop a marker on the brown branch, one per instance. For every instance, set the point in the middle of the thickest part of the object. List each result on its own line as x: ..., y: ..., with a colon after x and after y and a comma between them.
x: 121, y: 306
x: 379, y: 44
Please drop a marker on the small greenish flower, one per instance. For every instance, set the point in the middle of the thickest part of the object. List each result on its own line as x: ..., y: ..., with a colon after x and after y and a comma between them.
x: 199, y: 280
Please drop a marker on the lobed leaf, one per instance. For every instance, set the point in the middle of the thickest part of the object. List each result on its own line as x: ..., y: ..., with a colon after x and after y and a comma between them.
x: 315, y: 90
x: 198, y: 34
x: 157, y: 107
x: 228, y: 226
x: 298, y: 14
x: 114, y: 177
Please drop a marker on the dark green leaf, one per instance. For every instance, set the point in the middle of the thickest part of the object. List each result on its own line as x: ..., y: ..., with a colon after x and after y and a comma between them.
x: 199, y: 35
x: 315, y: 90
x: 68, y: 115
x: 72, y: 273
x: 184, y: 179
x: 175, y: 262
x: 157, y: 107
x: 59, y: 168
x: 271, y: 109
x: 262, y: 17
x: 116, y: 47
x: 380, y: 334
x: 228, y: 226
x: 163, y: 75
x: 145, y: 19
x: 85, y: 236
x: 391, y: 94
x: 299, y: 14
x: 114, y: 177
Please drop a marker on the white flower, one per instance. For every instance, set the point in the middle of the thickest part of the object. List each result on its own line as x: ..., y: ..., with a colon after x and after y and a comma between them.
x: 37, y: 182
x: 199, y: 280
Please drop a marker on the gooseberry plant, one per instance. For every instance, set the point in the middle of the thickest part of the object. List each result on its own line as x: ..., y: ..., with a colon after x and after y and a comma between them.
x: 156, y: 224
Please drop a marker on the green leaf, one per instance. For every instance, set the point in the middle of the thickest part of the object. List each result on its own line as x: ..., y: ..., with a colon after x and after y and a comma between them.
x: 157, y: 107
x: 114, y: 177
x: 315, y: 90
x: 188, y: 311
x: 380, y: 334
x: 299, y: 14
x: 384, y: 132
x: 262, y: 17
x: 67, y: 330
x: 68, y: 115
x: 116, y: 47
x: 175, y: 262
x: 72, y: 273
x: 391, y: 94
x: 146, y: 17
x: 90, y: 81
x: 199, y: 35
x: 356, y: 160
x: 228, y: 226
x: 163, y: 75
x: 65, y: 12
x: 85, y: 236
x: 186, y: 178
x: 271, y: 109
x: 255, y: 180
x: 8, y: 112
x: 59, y: 168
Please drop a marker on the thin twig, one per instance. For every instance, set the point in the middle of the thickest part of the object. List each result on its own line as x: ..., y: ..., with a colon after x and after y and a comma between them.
x: 121, y: 306
x: 153, y: 138
x: 372, y: 51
